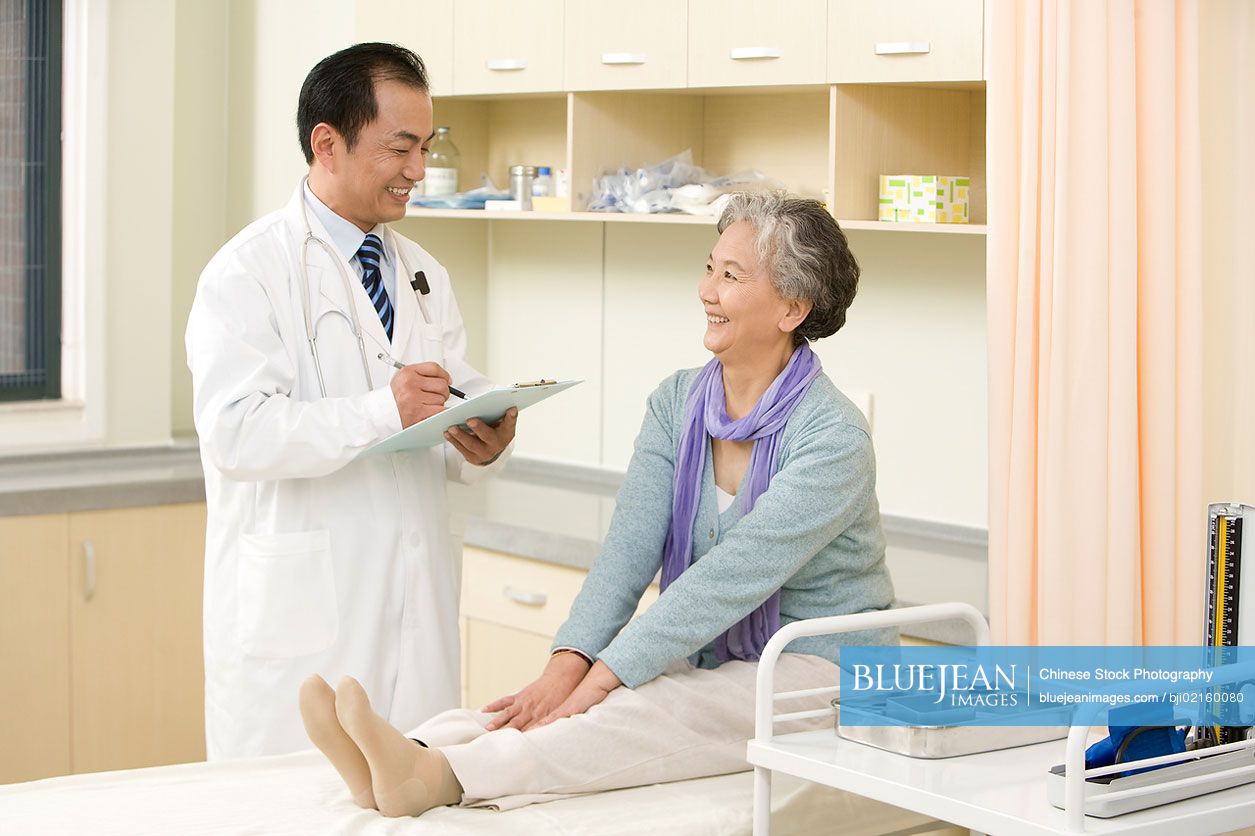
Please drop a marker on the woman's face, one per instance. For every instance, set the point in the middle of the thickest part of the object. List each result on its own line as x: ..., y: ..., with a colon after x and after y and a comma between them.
x: 745, y: 316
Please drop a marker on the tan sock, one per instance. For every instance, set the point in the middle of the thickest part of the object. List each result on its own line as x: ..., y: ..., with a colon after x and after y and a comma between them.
x: 407, y: 779
x: 318, y: 710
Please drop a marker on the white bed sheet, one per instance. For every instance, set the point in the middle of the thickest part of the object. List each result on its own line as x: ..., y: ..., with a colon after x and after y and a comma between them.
x: 302, y: 794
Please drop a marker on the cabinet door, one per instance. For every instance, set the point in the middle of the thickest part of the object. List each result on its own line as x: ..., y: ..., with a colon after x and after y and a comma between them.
x: 34, y: 648
x: 501, y: 47
x: 501, y: 660
x: 905, y: 40
x: 608, y: 50
x: 135, y: 636
x: 426, y: 28
x: 753, y: 42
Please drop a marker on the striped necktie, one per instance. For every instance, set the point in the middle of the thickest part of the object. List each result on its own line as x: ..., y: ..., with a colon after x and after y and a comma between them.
x: 369, y: 255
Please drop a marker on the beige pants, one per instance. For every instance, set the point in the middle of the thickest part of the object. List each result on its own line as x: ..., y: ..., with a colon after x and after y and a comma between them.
x: 687, y: 723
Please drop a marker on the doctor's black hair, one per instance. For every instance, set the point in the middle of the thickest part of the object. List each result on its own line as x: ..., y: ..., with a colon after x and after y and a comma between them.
x: 340, y: 90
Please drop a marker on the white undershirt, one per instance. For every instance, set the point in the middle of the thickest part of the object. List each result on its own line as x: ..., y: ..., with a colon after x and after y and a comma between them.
x: 724, y: 499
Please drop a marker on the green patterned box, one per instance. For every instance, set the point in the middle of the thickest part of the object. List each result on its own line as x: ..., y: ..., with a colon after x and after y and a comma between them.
x: 924, y: 198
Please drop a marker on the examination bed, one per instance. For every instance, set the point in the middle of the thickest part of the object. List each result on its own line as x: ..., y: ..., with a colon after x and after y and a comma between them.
x: 301, y: 793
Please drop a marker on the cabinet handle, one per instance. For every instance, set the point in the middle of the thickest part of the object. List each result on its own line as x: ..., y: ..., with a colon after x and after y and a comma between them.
x: 89, y: 570
x: 623, y: 57
x: 506, y: 64
x: 527, y: 599
x: 751, y: 53
x: 904, y: 47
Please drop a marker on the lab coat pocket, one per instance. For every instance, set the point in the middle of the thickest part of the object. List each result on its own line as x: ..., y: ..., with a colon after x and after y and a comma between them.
x: 286, y: 594
x: 432, y: 343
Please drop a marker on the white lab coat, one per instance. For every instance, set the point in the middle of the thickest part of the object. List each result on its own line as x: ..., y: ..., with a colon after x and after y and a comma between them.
x: 315, y: 563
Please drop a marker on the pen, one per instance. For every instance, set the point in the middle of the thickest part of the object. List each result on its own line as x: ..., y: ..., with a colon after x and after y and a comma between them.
x: 455, y: 392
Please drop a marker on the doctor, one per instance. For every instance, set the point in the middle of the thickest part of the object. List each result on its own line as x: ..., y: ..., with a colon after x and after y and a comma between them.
x: 314, y: 561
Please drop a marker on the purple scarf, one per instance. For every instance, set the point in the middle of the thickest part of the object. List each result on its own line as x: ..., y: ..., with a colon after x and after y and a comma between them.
x: 705, y: 413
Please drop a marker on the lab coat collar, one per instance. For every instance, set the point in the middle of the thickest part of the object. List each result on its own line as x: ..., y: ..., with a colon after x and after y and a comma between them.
x: 326, y: 291
x: 326, y: 285
x: 345, y: 235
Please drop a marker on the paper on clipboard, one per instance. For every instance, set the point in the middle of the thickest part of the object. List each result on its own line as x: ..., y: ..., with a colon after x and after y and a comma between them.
x: 491, y: 406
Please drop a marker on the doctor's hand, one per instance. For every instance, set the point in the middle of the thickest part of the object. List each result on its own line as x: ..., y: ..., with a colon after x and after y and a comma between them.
x: 522, y: 710
x: 596, y: 685
x: 420, y: 391
x: 484, y: 442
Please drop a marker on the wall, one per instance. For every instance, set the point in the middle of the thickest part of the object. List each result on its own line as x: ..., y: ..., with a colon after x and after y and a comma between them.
x: 200, y: 175
x: 234, y: 133
x: 1227, y: 36
x: 272, y: 46
x: 616, y: 304
x: 139, y: 219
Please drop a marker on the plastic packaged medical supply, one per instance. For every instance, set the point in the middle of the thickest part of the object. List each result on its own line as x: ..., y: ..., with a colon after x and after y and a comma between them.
x: 474, y: 199
x: 542, y: 185
x: 674, y: 185
x: 562, y: 183
x: 443, y: 159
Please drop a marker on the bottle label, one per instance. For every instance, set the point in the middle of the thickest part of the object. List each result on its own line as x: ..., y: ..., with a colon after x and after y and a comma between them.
x: 440, y: 181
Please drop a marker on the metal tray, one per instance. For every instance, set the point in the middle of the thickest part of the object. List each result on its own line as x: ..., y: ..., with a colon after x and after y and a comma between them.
x: 943, y: 741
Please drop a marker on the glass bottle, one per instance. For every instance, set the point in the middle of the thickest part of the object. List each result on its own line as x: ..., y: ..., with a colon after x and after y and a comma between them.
x: 442, y: 165
x: 541, y: 186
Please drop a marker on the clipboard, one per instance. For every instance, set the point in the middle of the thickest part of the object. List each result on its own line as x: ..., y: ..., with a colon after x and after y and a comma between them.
x: 490, y: 407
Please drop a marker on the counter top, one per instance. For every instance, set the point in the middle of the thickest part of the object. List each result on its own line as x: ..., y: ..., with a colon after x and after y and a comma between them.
x: 95, y: 480
x: 556, y: 512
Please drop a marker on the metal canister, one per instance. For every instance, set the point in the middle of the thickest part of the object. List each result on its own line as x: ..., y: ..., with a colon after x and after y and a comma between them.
x: 521, y: 177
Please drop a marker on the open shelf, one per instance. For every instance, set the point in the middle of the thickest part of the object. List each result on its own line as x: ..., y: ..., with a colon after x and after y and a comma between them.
x: 687, y: 220
x: 992, y: 792
x: 831, y: 143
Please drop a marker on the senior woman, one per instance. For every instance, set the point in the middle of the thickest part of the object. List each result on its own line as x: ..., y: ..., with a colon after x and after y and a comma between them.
x: 752, y: 488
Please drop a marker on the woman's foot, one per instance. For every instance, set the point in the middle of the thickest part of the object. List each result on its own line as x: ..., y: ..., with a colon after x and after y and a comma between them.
x: 318, y: 711
x: 407, y: 779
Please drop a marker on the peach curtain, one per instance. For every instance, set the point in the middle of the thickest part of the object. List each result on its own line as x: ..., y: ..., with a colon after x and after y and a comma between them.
x: 1097, y: 518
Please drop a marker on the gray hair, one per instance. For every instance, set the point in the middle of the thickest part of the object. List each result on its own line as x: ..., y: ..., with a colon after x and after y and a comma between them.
x: 805, y: 253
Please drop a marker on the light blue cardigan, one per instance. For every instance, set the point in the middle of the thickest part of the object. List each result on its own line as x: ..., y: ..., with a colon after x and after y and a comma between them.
x: 814, y: 534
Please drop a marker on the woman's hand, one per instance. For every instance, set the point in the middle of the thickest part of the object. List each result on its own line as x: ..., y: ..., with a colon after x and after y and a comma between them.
x: 599, y: 682
x: 521, y: 711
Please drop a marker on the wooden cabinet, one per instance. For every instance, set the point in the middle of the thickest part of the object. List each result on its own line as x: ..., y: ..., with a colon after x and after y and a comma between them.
x: 426, y: 28
x: 507, y: 47
x: 609, y: 50
x: 34, y: 637
x: 905, y: 40
x: 511, y: 609
x: 734, y: 43
x: 100, y: 620
x: 137, y: 664
x: 532, y: 46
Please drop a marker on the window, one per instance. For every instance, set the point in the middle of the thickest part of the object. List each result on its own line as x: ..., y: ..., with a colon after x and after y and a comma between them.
x: 30, y: 199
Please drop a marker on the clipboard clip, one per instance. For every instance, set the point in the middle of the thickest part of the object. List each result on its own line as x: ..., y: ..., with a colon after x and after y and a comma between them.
x: 531, y: 383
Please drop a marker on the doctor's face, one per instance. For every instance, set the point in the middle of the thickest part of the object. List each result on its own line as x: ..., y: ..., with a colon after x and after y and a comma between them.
x: 371, y: 183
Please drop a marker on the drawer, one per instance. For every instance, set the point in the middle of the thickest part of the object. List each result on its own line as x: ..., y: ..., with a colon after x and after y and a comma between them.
x: 905, y: 40
x: 608, y: 50
x: 501, y: 47
x: 756, y: 42
x: 522, y: 594
x: 426, y: 28
x: 516, y: 592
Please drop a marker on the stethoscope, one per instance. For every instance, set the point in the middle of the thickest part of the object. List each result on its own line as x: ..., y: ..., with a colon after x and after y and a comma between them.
x: 419, y: 284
